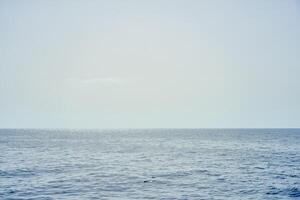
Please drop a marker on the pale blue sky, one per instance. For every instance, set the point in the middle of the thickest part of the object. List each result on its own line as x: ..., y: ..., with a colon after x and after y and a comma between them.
x: 149, y: 64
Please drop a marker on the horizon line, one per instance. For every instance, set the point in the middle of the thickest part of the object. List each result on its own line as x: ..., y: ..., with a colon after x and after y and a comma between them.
x: 27, y: 128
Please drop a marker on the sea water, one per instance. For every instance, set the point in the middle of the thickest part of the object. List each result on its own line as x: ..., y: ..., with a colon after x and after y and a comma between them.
x: 150, y: 164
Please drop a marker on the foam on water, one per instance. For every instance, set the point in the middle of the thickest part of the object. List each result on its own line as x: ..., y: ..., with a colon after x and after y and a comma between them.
x: 150, y: 164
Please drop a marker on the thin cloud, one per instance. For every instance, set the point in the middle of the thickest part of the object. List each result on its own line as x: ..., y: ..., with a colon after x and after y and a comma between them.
x: 97, y: 81
x: 106, y: 80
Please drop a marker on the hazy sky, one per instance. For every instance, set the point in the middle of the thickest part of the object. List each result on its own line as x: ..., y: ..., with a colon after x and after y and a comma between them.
x: 149, y: 64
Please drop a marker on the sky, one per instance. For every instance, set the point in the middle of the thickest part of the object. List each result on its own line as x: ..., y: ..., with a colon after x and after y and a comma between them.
x: 149, y: 64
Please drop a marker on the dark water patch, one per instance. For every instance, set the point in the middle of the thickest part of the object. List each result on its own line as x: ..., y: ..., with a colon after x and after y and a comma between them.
x: 259, y: 168
x: 294, y: 192
x: 248, y: 191
x: 285, y: 176
x: 200, y: 171
x: 17, y: 173
x: 221, y: 179
x: 289, y: 191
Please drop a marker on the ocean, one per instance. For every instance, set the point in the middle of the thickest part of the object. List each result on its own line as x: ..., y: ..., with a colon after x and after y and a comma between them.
x: 235, y: 164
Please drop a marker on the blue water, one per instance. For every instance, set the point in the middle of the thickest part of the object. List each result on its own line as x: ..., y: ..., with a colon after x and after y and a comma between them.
x: 150, y: 164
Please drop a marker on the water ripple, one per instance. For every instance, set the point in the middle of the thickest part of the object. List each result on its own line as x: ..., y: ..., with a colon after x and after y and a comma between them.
x: 150, y: 164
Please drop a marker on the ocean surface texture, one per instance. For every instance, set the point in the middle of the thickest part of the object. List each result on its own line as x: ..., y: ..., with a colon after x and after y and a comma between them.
x: 150, y: 164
